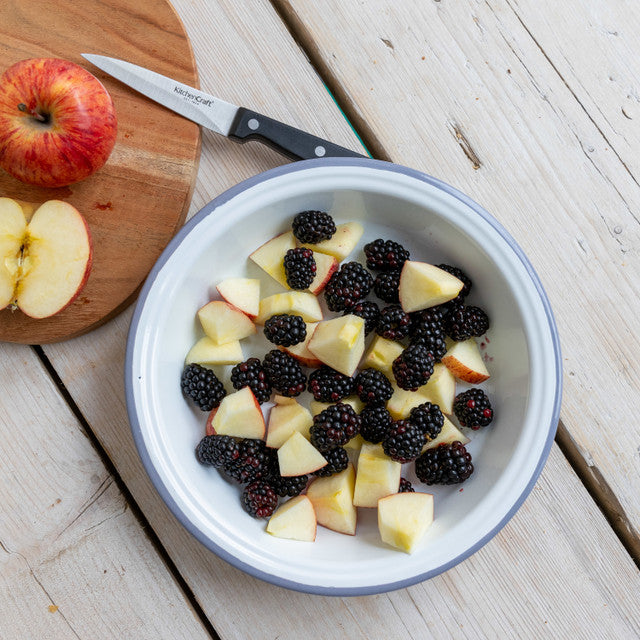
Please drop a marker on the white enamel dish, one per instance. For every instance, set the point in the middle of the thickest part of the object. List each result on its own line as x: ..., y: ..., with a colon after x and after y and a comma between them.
x: 438, y: 224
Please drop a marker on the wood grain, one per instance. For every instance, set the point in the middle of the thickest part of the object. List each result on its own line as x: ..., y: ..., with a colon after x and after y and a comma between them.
x: 516, y: 131
x: 556, y: 570
x: 74, y: 561
x: 137, y: 201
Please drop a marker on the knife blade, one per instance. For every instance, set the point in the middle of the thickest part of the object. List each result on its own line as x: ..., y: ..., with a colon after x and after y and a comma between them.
x: 237, y: 123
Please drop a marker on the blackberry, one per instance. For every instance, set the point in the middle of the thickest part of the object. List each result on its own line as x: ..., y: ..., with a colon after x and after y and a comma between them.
x: 337, y: 459
x: 217, y: 451
x: 288, y: 486
x: 369, y: 311
x: 473, y: 409
x: 385, y: 286
x: 405, y: 486
x: 285, y: 330
x: 462, y: 276
x: 465, y: 322
x: 328, y: 385
x: 432, y: 340
x: 313, y: 226
x: 299, y: 268
x: 428, y: 418
x: 385, y: 255
x: 444, y: 464
x: 347, y: 286
x: 427, y: 320
x: 373, y: 387
x: 259, y: 499
x: 250, y: 373
x: 284, y: 373
x: 202, y: 386
x: 404, y: 441
x: 413, y: 367
x: 334, y: 427
x: 255, y: 460
x: 376, y: 423
x: 394, y: 323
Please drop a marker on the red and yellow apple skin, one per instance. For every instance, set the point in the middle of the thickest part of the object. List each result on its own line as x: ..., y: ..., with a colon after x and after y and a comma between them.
x: 57, y: 122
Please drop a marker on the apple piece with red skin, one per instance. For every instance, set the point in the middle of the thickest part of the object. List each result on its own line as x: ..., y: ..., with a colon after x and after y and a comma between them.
x: 332, y: 499
x: 242, y: 293
x: 57, y: 122
x: 239, y: 415
x: 270, y: 256
x: 465, y: 362
x: 44, y: 263
x: 294, y: 520
x: 297, y: 456
x: 223, y: 322
x: 326, y: 266
x: 301, y: 351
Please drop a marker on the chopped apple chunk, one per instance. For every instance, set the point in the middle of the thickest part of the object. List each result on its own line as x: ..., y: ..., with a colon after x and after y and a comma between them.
x: 343, y: 241
x: 403, y: 519
x: 206, y: 352
x: 296, y: 303
x: 238, y: 415
x: 332, y: 499
x: 424, y: 285
x: 339, y: 343
x: 465, y: 362
x: 378, y: 476
x: 224, y: 323
x: 298, y: 456
x: 294, y: 520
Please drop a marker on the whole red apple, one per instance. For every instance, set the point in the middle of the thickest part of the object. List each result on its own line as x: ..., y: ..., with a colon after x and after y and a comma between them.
x: 57, y: 122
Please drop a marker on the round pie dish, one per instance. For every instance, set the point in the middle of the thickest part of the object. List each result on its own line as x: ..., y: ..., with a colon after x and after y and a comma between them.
x: 438, y: 224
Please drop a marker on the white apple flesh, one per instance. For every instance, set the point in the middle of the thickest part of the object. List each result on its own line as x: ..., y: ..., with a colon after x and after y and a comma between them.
x: 332, y: 499
x: 424, y: 285
x: 206, y: 352
x: 343, y: 241
x: 224, y: 323
x: 270, y: 256
x: 294, y: 520
x: 378, y: 476
x: 298, y: 456
x: 295, y: 303
x: 239, y: 415
x: 339, y: 343
x: 284, y: 420
x: 403, y: 519
x: 242, y: 293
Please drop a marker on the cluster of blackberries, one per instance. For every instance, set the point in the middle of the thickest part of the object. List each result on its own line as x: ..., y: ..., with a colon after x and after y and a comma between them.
x: 251, y: 463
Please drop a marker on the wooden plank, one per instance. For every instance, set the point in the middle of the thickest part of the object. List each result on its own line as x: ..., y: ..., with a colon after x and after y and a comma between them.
x: 581, y: 574
x: 470, y: 96
x: 74, y: 561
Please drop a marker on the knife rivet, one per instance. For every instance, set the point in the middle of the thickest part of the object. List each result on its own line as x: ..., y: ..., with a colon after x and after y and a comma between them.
x: 253, y: 124
x: 320, y: 151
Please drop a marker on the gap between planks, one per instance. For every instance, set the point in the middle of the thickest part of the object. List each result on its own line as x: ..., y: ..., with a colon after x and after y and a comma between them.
x: 590, y: 476
x: 129, y: 499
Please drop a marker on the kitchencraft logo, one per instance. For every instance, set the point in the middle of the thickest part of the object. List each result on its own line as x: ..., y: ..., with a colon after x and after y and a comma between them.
x: 192, y: 97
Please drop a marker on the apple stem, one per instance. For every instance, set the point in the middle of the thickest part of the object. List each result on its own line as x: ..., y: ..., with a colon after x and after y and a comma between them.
x: 36, y: 114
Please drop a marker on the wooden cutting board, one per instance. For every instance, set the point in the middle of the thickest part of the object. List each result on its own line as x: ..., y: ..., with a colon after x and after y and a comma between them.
x: 140, y: 198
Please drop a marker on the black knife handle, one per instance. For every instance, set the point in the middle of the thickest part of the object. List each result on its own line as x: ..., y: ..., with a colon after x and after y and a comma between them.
x: 289, y: 141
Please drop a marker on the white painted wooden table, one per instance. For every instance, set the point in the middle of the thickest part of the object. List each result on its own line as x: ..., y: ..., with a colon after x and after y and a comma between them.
x: 532, y: 107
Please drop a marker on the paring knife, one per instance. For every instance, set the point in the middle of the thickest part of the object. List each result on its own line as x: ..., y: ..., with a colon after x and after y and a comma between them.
x: 238, y: 123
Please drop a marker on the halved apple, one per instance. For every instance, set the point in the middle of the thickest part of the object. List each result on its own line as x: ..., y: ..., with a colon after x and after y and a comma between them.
x: 298, y: 456
x: 224, y: 323
x: 301, y: 351
x: 296, y: 303
x: 449, y: 433
x: 238, y: 415
x: 378, y: 476
x: 339, y: 343
x: 332, y: 499
x: 270, y: 256
x: 294, y: 520
x: 403, y: 519
x: 381, y: 354
x: 343, y: 241
x: 43, y: 263
x: 206, y: 352
x: 424, y: 285
x: 465, y: 362
x: 326, y: 265
x: 284, y: 420
x: 242, y: 293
